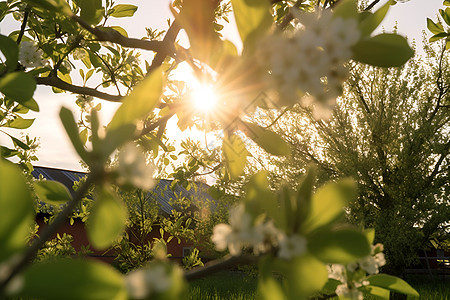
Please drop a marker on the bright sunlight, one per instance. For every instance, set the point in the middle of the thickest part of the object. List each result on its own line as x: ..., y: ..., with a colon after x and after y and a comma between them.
x: 204, y: 97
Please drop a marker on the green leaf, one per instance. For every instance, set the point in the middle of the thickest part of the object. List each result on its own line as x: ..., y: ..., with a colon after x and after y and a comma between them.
x: 438, y: 36
x: 392, y: 283
x: 306, y: 276
x: 370, y: 234
x: 117, y: 137
x: 73, y: 279
x: 31, y: 104
x: 327, y: 204
x: 446, y: 2
x: 7, y: 152
x: 11, y: 52
x: 266, y: 139
x: 269, y: 289
x: 140, y: 102
x: 51, y: 192
x: 123, y: 10
x: 376, y: 292
x: 235, y: 155
x: 19, y: 143
x: 383, y: 50
x: 84, y: 136
x: 253, y: 18
x: 339, y: 246
x: 20, y: 123
x: 434, y: 27
x: 60, y: 6
x: 372, y: 21
x: 16, y: 210
x: 346, y: 9
x: 91, y: 10
x: 18, y: 86
x: 445, y: 14
x: 107, y: 219
x: 120, y: 30
x: 71, y: 128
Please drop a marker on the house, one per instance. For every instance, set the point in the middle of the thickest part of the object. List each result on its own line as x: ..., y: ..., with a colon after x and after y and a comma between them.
x: 164, y: 193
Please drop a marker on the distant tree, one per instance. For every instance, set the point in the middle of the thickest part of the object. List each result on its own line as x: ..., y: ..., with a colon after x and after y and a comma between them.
x: 390, y: 131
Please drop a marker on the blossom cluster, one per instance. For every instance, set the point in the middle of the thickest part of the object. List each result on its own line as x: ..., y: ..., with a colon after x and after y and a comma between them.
x: 143, y: 283
x: 350, y: 280
x: 311, y: 60
x: 245, y: 232
x: 30, y: 56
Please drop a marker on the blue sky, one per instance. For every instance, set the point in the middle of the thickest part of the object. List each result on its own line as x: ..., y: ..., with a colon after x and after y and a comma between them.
x: 55, y: 150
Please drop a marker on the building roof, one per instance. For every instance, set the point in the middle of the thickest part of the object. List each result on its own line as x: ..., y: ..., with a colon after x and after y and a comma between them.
x: 164, y: 191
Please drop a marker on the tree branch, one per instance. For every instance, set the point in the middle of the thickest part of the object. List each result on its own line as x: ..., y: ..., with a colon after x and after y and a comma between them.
x: 60, y: 84
x: 115, y: 37
x: 371, y: 5
x: 24, y: 24
x: 219, y: 265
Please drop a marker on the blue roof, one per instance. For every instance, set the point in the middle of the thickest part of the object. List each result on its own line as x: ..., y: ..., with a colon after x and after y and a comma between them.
x: 164, y: 194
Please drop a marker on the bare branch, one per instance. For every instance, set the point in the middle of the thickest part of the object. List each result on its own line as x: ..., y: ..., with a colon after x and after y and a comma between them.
x: 60, y: 84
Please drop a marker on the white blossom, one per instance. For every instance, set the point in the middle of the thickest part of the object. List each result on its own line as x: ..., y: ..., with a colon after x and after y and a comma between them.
x: 292, y: 246
x: 30, y: 56
x: 311, y: 59
x: 243, y: 232
x: 134, y: 169
x: 144, y: 282
x: 343, y: 290
x: 338, y: 272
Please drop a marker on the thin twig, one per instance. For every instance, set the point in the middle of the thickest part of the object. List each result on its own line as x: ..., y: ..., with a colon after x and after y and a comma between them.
x: 24, y: 24
x: 60, y: 84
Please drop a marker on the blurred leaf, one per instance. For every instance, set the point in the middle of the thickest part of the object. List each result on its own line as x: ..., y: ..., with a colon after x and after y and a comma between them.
x: 117, y: 137
x: 11, y: 52
x: 107, y: 219
x: 346, y: 9
x: 434, y: 27
x: 306, y: 276
x: 18, y: 86
x: 253, y: 19
x: 376, y: 292
x: 269, y: 289
x: 339, y: 246
x: 73, y: 279
x: 84, y: 136
x: 91, y: 10
x: 371, y: 22
x: 31, y: 104
x: 60, y: 6
x: 71, y: 128
x: 392, y: 283
x: 235, y: 155
x: 370, y: 234
x: 140, y: 102
x: 270, y: 141
x: 123, y: 10
x: 51, y: 192
x: 20, y: 123
x: 16, y: 210
x: 383, y: 50
x: 328, y: 203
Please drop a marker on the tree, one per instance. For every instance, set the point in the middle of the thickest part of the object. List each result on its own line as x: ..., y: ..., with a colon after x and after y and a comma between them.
x: 390, y: 132
x: 294, y: 232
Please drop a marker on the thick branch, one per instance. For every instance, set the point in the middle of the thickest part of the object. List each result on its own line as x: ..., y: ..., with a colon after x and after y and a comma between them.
x: 115, y: 37
x: 60, y: 84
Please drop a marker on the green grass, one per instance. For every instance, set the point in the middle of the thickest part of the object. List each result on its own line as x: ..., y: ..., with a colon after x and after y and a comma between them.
x: 239, y: 286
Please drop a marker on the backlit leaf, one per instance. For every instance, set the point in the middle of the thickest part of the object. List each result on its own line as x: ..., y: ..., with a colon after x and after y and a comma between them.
x: 383, y: 50
x: 16, y: 209
x: 20, y: 123
x: 107, y: 219
x: 71, y: 128
x: 51, y: 192
x: 123, y: 10
x: 371, y: 22
x: 266, y: 139
x: 306, y: 276
x: 339, y: 246
x: 73, y: 279
x: 434, y: 27
x: 19, y: 86
x: 235, y: 155
x: 392, y: 283
x: 327, y: 204
x: 11, y: 52
x: 140, y: 102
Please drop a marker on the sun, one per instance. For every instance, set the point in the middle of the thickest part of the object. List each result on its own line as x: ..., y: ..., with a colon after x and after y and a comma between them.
x: 204, y: 97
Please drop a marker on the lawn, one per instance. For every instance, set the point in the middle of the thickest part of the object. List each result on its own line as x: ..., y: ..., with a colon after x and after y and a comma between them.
x: 239, y: 286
